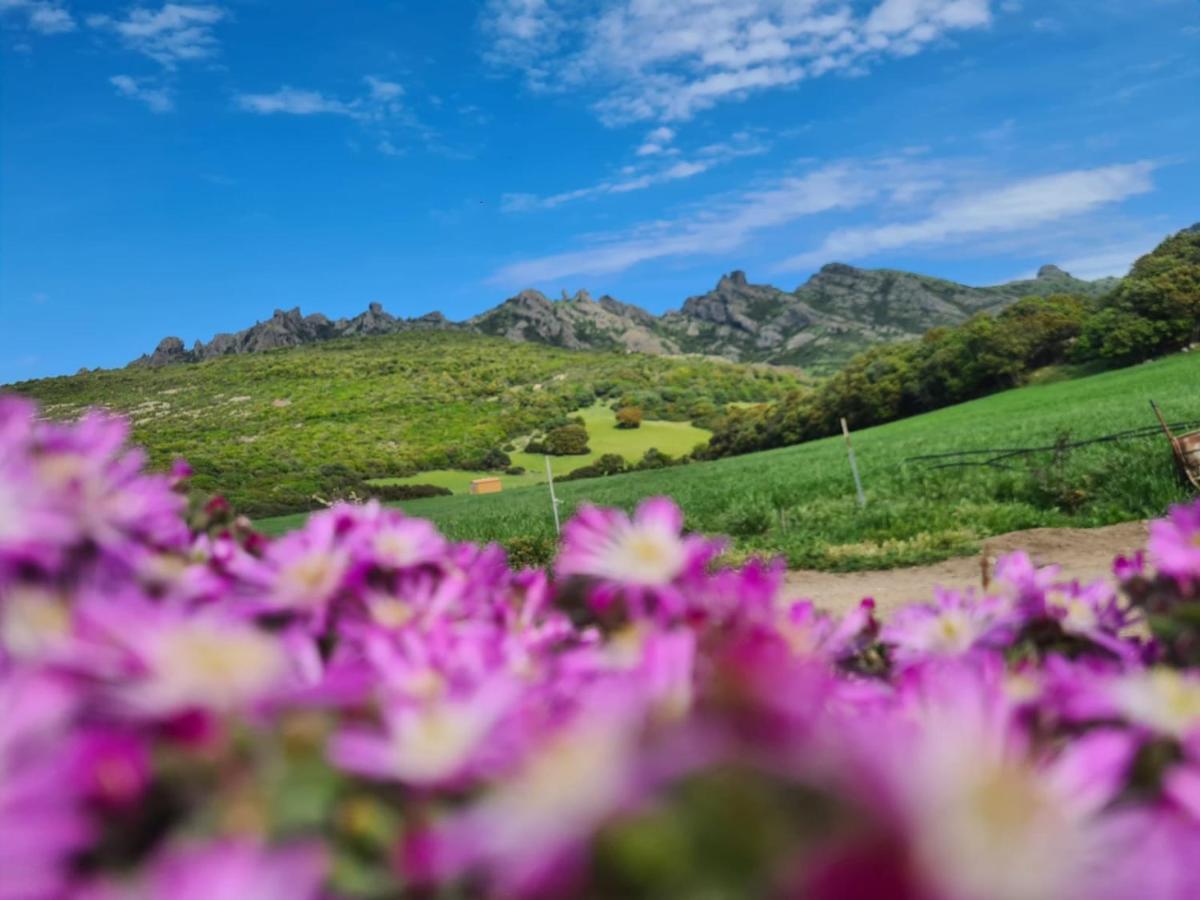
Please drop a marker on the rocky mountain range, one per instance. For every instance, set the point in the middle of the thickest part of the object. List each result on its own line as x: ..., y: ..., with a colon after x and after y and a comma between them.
x: 837, y: 312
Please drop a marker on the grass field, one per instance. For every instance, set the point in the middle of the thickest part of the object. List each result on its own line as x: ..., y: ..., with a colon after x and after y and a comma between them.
x: 799, y: 501
x: 673, y: 438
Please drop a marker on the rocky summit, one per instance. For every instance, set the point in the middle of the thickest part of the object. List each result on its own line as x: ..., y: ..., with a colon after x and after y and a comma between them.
x: 837, y: 312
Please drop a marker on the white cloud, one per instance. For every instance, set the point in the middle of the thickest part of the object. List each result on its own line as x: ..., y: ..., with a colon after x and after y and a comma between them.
x: 1018, y: 206
x: 384, y: 90
x: 293, y: 102
x: 668, y: 59
x: 381, y: 101
x: 656, y: 141
x: 717, y: 225
x: 170, y: 35
x: 157, y: 99
x: 379, y: 109
x: 635, y: 179
x: 1021, y: 215
x: 40, y: 15
x: 1114, y: 259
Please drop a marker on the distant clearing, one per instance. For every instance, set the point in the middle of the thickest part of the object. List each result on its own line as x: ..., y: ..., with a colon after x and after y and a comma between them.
x: 673, y: 438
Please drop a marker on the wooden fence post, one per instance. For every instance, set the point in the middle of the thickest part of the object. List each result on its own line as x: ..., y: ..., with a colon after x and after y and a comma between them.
x: 554, y: 501
x: 862, y: 498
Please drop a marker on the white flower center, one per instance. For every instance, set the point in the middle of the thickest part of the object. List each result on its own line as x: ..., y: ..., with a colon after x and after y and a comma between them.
x: 32, y: 620
x: 202, y: 664
x: 645, y: 556
x: 390, y: 612
x: 437, y: 740
x: 395, y: 549
x: 311, y: 579
x: 1162, y: 699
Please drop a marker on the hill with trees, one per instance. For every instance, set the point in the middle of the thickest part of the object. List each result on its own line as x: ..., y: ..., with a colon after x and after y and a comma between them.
x: 272, y: 430
x: 1154, y: 311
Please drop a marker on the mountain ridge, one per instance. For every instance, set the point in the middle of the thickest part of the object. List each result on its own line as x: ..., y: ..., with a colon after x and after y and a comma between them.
x: 841, y: 309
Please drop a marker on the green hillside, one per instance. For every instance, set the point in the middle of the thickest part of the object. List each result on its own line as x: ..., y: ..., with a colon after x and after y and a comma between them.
x: 799, y: 501
x: 271, y: 430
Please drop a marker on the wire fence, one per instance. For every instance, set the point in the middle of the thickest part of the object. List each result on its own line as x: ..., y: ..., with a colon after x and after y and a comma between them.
x: 995, y: 456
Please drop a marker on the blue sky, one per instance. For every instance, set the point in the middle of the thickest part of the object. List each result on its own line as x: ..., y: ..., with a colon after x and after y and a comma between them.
x: 186, y: 168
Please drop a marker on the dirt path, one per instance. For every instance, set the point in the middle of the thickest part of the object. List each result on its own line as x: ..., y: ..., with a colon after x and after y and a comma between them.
x: 1083, y: 553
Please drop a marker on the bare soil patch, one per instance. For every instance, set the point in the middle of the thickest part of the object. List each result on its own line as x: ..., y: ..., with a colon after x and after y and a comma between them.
x: 1083, y: 553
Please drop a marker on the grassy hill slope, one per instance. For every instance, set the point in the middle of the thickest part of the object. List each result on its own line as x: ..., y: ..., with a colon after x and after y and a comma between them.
x: 799, y: 501
x: 269, y: 430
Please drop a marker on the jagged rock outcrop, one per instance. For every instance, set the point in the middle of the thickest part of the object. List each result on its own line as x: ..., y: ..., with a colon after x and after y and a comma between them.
x: 577, y: 323
x: 288, y: 328
x: 837, y: 312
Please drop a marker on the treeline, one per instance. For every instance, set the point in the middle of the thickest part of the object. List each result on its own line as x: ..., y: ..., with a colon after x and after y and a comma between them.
x: 1153, y: 311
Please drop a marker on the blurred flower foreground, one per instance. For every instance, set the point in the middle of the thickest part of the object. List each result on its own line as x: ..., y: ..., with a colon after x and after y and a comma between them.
x: 365, y: 709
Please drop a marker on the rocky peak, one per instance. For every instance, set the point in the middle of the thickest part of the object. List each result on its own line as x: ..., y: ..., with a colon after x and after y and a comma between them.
x: 1051, y: 271
x: 170, y: 350
x: 837, y: 269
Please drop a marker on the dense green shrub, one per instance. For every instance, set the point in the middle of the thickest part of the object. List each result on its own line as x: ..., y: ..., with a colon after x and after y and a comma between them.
x: 607, y: 464
x: 569, y: 440
x: 407, y: 491
x: 655, y: 459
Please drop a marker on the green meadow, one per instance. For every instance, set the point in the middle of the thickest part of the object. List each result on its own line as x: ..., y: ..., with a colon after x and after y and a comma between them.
x: 799, y: 501
x: 672, y: 438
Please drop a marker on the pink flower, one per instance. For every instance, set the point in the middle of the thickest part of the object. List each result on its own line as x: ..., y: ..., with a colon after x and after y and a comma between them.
x: 645, y: 558
x: 953, y: 625
x: 308, y: 567
x: 426, y: 742
x: 984, y: 815
x: 42, y: 821
x: 204, y: 661
x: 1093, y: 612
x: 234, y: 869
x: 112, y: 767
x: 527, y: 827
x: 1174, y: 545
x: 1024, y: 583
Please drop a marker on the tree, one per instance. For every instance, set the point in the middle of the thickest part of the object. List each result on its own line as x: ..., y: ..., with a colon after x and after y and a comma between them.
x: 495, y: 459
x: 610, y: 464
x: 629, y: 417
x: 569, y: 440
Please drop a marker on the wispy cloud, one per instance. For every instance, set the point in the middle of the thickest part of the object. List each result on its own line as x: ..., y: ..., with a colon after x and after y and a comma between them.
x: 40, y: 16
x: 173, y: 34
x: 717, y: 225
x: 1111, y: 259
x: 381, y: 100
x: 292, y: 101
x: 157, y: 98
x: 656, y: 141
x: 379, y: 108
x: 1017, y: 206
x: 638, y: 178
x: 668, y: 59
x: 960, y: 200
